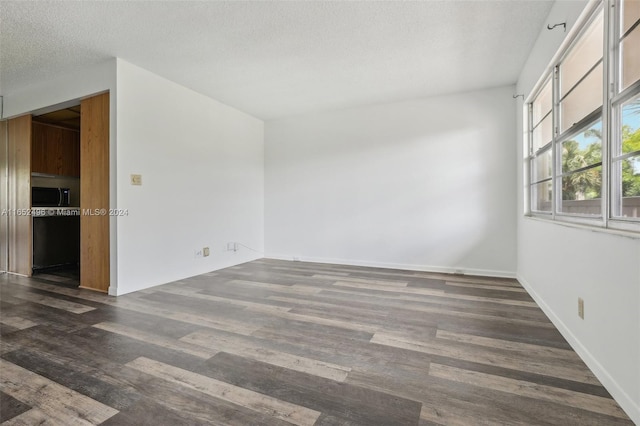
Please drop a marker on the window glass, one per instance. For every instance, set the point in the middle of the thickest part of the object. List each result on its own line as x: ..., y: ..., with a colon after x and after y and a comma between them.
x: 542, y: 103
x: 580, y: 186
x: 583, y: 149
x: 630, y: 59
x: 630, y: 14
x: 581, y: 192
x: 541, y: 197
x: 631, y: 177
x: 626, y: 171
x: 630, y: 128
x: 627, y: 201
x: 583, y: 56
x: 583, y: 100
x: 543, y: 133
x: 542, y: 166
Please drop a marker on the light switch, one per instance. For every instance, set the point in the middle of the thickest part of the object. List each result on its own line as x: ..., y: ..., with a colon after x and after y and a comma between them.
x: 136, y: 179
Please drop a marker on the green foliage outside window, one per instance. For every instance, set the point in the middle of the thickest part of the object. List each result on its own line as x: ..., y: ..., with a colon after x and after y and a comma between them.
x: 587, y: 185
x: 630, y: 166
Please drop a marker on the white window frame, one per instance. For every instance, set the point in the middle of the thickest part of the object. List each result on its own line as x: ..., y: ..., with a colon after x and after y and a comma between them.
x: 532, y: 155
x: 617, y: 99
x: 609, y: 113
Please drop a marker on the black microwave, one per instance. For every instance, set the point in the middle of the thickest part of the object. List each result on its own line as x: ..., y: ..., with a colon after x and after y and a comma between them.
x: 49, y: 197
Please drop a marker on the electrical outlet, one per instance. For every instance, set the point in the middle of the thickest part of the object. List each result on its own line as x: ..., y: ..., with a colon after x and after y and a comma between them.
x: 205, y: 251
x: 136, y: 179
x: 581, y: 307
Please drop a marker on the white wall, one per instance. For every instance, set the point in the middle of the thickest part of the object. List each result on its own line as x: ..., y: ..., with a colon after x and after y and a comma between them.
x: 425, y: 184
x: 59, y: 89
x: 203, y: 181
x: 558, y: 264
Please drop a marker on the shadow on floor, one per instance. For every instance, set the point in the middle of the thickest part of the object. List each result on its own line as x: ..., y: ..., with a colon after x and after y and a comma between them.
x: 67, y: 276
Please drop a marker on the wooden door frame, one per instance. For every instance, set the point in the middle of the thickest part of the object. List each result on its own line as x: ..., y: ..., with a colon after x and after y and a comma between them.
x: 4, y: 198
x: 95, y: 248
x: 19, y: 222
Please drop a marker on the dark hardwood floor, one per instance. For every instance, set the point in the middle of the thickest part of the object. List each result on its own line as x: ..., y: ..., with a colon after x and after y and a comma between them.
x: 274, y: 343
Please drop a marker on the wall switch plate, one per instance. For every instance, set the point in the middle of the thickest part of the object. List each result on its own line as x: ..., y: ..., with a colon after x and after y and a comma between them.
x: 205, y: 251
x: 581, y: 307
x: 136, y: 179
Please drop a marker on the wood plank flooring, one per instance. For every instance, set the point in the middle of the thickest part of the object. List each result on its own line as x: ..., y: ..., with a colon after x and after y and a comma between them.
x: 279, y: 343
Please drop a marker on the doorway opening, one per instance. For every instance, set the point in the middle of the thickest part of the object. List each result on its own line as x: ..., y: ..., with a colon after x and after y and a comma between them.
x: 55, y: 195
x: 57, y: 167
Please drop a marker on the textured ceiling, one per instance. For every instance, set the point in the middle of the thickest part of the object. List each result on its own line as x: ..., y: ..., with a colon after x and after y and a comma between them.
x: 276, y: 59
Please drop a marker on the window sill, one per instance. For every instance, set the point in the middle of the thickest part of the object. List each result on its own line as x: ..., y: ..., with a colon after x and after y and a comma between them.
x: 592, y: 228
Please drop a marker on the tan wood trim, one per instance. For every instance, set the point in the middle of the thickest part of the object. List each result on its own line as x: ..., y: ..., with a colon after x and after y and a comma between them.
x: 94, y: 192
x: 19, y: 179
x: 3, y: 195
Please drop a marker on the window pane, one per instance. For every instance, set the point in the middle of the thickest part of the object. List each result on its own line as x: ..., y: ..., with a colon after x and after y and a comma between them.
x: 627, y: 172
x: 630, y: 14
x: 583, y: 56
x: 630, y: 127
x: 581, y: 192
x: 586, y: 97
x: 631, y: 177
x: 631, y: 207
x: 630, y: 59
x: 542, y: 103
x: 542, y: 134
x: 542, y: 166
x: 541, y: 197
x: 583, y: 149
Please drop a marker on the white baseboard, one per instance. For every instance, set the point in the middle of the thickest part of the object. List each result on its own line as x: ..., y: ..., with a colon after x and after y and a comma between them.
x: 116, y: 291
x: 626, y: 402
x: 403, y: 266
